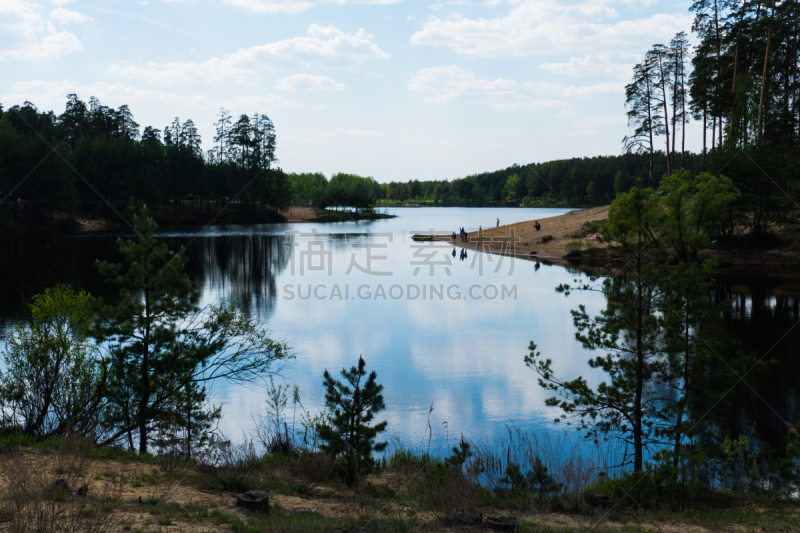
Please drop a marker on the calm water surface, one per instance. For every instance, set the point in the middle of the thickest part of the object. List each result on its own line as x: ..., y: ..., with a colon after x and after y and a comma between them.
x: 355, y: 289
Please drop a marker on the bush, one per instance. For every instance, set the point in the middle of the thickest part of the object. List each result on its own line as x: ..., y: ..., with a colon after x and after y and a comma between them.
x: 231, y: 467
x: 547, y: 238
x: 574, y: 246
x: 53, y: 381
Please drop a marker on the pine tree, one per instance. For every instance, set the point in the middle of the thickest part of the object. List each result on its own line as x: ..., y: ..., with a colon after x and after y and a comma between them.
x: 155, y: 296
x: 353, y: 406
x: 629, y: 330
x: 164, y: 349
x: 223, y: 125
x: 643, y: 115
x: 539, y: 480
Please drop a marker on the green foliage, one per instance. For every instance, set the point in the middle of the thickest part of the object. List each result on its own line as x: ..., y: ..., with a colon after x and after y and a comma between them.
x: 514, y: 188
x: 54, y: 380
x: 547, y: 238
x: 148, y: 370
x: 352, y: 405
x: 164, y: 349
x: 537, y: 481
x: 350, y: 190
x: 628, y: 330
x: 693, y: 211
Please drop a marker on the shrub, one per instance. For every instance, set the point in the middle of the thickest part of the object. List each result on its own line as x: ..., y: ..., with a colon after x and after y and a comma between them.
x: 53, y: 380
x: 547, y: 238
x: 230, y: 467
x: 574, y: 245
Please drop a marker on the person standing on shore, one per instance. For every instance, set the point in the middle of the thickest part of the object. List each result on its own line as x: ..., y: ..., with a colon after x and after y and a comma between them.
x: 498, y: 223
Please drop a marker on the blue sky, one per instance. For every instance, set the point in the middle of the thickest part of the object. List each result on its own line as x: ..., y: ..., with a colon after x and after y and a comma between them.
x: 395, y: 89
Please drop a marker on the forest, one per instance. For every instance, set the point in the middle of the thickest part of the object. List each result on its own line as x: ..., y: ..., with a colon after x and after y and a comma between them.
x: 738, y: 84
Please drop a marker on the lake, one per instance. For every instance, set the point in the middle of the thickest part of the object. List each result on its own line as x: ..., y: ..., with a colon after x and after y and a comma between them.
x: 442, y: 332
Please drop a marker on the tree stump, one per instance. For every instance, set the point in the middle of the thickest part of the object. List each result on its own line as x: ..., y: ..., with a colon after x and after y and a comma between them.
x: 468, y: 517
x: 254, y: 500
x: 501, y: 523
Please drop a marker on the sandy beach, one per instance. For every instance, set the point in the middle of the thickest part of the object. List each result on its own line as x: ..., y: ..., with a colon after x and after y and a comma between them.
x: 522, y: 238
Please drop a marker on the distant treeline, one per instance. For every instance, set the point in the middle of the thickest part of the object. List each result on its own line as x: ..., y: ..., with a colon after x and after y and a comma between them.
x: 93, y: 156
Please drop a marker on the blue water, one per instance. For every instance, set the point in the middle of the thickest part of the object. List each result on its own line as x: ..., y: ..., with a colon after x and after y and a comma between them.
x: 460, y: 353
x: 457, y: 349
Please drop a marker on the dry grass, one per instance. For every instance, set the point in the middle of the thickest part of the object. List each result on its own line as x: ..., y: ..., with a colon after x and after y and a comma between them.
x: 413, y: 493
x: 51, y: 492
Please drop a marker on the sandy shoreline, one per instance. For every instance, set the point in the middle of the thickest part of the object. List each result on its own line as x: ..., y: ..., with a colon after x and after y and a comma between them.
x: 522, y: 238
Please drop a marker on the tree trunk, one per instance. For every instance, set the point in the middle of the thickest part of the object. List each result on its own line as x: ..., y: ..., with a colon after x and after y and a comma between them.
x: 675, y: 109
x: 764, y: 79
x: 683, y: 116
x: 719, y: 65
x: 713, y: 134
x: 666, y: 108
x: 188, y: 423
x: 705, y: 132
x: 638, y: 454
x: 144, y: 369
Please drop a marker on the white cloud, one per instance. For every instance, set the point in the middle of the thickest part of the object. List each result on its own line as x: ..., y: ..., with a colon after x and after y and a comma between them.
x: 61, y: 2
x: 39, y: 38
x: 597, y: 89
x: 544, y: 87
x: 64, y: 16
x: 452, y: 81
x: 176, y: 72
x: 583, y: 91
x: 639, y: 4
x: 50, y: 46
x: 21, y: 17
x: 308, y: 82
x: 613, y: 64
x: 325, y: 46
x: 50, y: 95
x: 352, y: 134
x: 296, y: 6
x: 549, y: 27
x: 447, y: 83
x: 522, y: 103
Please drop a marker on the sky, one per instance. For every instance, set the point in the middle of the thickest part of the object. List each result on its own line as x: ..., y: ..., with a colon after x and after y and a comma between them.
x: 394, y: 89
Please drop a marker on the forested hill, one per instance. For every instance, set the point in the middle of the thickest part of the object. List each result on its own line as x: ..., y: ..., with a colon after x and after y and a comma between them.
x: 576, y: 181
x: 93, y: 157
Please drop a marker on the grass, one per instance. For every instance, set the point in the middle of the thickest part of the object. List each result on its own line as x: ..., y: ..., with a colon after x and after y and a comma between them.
x: 410, y: 492
x: 574, y: 246
x: 547, y: 238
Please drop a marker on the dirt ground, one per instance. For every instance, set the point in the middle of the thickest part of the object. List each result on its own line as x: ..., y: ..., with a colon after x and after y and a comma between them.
x: 523, y: 239
x: 136, y: 485
x: 299, y: 213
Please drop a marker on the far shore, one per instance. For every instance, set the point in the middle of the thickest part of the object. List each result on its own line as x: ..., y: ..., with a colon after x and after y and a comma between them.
x: 572, y: 239
x: 66, y: 222
x: 549, y: 242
